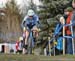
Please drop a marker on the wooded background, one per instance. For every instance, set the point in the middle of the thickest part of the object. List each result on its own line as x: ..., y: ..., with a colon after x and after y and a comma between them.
x: 11, y: 17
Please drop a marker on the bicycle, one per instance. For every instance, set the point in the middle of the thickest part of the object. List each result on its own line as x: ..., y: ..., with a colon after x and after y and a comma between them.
x: 30, y: 42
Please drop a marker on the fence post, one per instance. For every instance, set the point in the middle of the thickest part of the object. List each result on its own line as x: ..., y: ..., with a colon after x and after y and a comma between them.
x: 72, y: 37
x: 49, y: 46
x: 63, y: 38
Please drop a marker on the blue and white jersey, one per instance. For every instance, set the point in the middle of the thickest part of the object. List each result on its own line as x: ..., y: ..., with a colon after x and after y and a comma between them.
x: 27, y: 22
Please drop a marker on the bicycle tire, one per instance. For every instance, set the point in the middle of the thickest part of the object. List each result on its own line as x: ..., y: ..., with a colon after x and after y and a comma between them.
x: 30, y: 45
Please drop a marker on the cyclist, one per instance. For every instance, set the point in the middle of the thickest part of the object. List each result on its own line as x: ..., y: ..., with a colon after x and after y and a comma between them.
x: 30, y: 22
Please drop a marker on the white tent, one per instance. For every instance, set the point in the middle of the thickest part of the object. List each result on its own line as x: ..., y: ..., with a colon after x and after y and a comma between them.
x: 6, y: 47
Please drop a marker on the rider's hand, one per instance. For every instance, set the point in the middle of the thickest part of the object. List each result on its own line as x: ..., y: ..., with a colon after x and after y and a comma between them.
x: 39, y: 29
x: 24, y: 29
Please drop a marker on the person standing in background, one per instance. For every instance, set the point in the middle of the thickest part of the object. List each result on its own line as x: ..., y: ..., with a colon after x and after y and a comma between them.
x: 73, y: 20
x: 66, y: 14
x: 69, y: 49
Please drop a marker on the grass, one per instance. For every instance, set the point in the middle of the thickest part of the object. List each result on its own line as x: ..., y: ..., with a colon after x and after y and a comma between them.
x: 20, y: 57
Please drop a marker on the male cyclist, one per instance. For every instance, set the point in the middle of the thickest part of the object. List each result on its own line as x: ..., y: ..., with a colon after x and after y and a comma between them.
x: 30, y: 22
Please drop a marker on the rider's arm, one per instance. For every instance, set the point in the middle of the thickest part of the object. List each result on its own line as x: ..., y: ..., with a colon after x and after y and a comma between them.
x: 37, y: 19
x: 24, y: 22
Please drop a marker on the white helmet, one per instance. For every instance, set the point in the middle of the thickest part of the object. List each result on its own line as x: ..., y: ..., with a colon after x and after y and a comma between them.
x: 30, y: 12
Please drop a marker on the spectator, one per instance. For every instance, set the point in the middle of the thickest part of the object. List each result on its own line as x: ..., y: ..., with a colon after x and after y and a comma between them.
x: 19, y: 45
x: 73, y: 20
x: 66, y: 12
x: 58, y: 34
x: 68, y: 31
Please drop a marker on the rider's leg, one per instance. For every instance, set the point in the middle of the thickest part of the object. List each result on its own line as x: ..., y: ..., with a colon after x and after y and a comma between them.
x: 36, y: 34
x: 25, y: 42
x: 23, y: 51
x: 26, y: 38
x: 35, y: 31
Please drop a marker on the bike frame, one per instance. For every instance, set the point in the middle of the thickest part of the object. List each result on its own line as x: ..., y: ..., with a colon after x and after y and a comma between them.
x: 31, y: 36
x: 30, y: 42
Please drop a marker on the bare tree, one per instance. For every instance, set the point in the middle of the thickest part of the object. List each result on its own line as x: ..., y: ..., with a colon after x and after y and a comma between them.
x: 24, y: 7
x: 11, y: 22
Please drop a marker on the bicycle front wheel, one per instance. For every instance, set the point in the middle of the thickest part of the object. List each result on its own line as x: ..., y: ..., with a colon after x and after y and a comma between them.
x: 30, y: 45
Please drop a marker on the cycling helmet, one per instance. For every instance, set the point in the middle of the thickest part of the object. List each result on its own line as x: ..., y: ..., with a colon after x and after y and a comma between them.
x: 30, y: 12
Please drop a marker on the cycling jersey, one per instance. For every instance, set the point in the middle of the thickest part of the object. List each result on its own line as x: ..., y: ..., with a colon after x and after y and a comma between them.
x: 27, y: 22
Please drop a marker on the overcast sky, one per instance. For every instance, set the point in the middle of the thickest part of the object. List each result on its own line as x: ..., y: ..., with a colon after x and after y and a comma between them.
x: 2, y: 2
